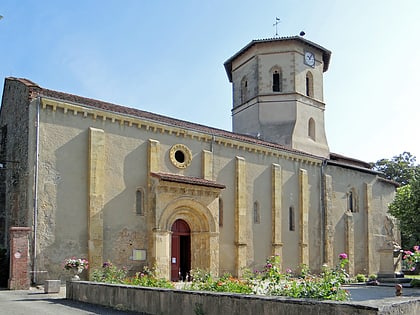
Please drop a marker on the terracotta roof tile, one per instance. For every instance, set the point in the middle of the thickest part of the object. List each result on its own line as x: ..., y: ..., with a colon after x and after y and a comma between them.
x: 187, y: 180
x: 36, y: 90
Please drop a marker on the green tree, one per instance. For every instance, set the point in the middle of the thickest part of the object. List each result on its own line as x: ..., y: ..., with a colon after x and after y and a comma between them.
x: 406, y: 205
x: 406, y: 208
x: 401, y: 168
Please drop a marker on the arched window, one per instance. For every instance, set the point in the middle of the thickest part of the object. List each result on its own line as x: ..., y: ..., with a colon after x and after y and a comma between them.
x: 244, y: 90
x: 277, y: 79
x: 140, y: 201
x: 257, y: 218
x: 309, y: 84
x: 351, y: 201
x: 311, y: 128
x: 291, y: 218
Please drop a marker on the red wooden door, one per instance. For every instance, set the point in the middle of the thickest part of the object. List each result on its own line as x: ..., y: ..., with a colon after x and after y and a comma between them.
x: 180, y: 251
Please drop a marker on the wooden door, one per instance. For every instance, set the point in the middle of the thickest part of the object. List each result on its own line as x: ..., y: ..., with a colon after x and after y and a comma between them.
x: 180, y: 251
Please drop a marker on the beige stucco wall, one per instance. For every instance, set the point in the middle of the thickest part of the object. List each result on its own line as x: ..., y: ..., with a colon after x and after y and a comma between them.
x: 63, y: 198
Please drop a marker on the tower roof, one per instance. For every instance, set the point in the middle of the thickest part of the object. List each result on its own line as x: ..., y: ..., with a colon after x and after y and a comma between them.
x: 326, y: 54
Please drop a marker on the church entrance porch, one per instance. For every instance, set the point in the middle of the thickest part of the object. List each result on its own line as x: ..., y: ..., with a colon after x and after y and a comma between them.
x: 185, y: 225
x: 187, y: 238
x: 180, y: 251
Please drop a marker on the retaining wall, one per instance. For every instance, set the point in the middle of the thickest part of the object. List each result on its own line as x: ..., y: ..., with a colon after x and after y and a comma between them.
x: 182, y: 302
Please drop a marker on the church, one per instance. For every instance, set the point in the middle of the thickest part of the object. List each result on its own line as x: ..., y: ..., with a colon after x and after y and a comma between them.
x: 96, y: 180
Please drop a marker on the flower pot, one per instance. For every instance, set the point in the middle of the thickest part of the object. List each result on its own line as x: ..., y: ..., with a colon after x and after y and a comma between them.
x: 76, y: 272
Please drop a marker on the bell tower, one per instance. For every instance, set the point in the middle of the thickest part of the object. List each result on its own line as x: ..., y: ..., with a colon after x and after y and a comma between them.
x: 278, y: 92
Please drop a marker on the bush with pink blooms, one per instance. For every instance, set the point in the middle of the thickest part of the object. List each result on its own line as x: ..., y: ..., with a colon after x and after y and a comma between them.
x: 411, y: 259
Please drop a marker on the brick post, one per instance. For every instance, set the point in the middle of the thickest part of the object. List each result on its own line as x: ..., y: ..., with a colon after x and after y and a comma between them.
x: 19, y: 258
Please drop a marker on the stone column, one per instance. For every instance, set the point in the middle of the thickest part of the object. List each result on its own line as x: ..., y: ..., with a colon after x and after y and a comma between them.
x: 350, y: 241
x: 155, y: 242
x: 214, y: 253
x: 276, y: 194
x: 153, y: 159
x: 96, y: 188
x: 370, y: 255
x: 304, y: 217
x: 19, y: 258
x: 207, y: 165
x: 241, y: 222
x: 162, y: 252
x: 328, y: 221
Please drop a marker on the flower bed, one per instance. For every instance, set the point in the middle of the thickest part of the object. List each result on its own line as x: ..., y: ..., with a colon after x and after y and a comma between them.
x: 270, y: 281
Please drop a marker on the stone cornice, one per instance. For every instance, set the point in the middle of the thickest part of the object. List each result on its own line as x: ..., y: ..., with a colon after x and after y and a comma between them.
x: 240, y: 144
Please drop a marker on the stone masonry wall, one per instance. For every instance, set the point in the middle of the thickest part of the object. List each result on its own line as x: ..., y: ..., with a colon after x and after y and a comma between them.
x: 182, y: 302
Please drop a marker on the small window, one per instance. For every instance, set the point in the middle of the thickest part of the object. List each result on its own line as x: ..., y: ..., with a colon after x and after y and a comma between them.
x: 309, y: 84
x: 291, y: 219
x: 220, y: 212
x: 180, y: 156
x: 350, y: 202
x: 276, y: 81
x: 244, y: 89
x: 257, y: 218
x: 311, y: 128
x: 140, y: 201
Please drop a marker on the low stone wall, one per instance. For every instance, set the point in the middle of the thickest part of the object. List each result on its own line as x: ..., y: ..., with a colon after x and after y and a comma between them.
x: 181, y: 302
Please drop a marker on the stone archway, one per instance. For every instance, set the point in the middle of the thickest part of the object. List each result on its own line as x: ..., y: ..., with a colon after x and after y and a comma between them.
x: 204, y: 235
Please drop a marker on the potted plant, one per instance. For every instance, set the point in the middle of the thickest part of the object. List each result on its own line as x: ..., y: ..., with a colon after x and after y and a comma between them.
x: 76, y: 265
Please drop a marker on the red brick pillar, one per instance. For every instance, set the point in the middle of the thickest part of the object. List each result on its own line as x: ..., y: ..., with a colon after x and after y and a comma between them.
x: 19, y: 258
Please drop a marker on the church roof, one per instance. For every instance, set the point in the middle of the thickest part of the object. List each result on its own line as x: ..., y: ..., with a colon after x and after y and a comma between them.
x: 326, y: 54
x: 36, y: 91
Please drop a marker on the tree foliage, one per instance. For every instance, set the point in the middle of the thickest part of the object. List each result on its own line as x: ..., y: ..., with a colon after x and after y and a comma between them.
x: 401, y: 168
x: 406, y: 205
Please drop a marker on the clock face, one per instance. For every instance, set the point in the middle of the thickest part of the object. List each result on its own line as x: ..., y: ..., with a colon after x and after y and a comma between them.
x: 309, y: 59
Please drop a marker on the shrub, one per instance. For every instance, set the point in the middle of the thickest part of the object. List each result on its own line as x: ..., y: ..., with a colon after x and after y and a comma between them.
x: 109, y: 273
x: 149, y: 278
x: 203, y: 281
x: 360, y: 278
x: 415, y: 283
x: 372, y: 276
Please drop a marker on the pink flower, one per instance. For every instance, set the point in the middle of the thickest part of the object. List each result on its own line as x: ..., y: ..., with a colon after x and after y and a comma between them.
x: 416, y: 248
x: 343, y: 256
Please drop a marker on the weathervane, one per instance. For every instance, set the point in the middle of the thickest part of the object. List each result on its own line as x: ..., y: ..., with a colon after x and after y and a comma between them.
x: 275, y: 24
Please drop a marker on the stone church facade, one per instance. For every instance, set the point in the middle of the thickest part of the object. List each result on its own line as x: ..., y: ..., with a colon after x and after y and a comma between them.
x: 111, y: 183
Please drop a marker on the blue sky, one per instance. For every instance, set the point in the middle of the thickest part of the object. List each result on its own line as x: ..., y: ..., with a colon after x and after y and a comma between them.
x: 167, y: 57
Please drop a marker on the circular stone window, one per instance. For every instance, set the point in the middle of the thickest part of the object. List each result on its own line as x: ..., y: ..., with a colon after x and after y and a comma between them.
x: 180, y: 156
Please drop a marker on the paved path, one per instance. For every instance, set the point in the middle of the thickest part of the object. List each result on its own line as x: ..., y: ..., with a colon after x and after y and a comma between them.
x: 35, y: 301
x: 360, y: 293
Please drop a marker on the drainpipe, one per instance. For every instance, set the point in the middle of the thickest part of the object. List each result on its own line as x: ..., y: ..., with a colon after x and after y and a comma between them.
x: 323, y: 165
x: 36, y: 166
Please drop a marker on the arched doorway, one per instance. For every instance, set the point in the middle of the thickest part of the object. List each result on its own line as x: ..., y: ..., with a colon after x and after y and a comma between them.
x: 180, y: 250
